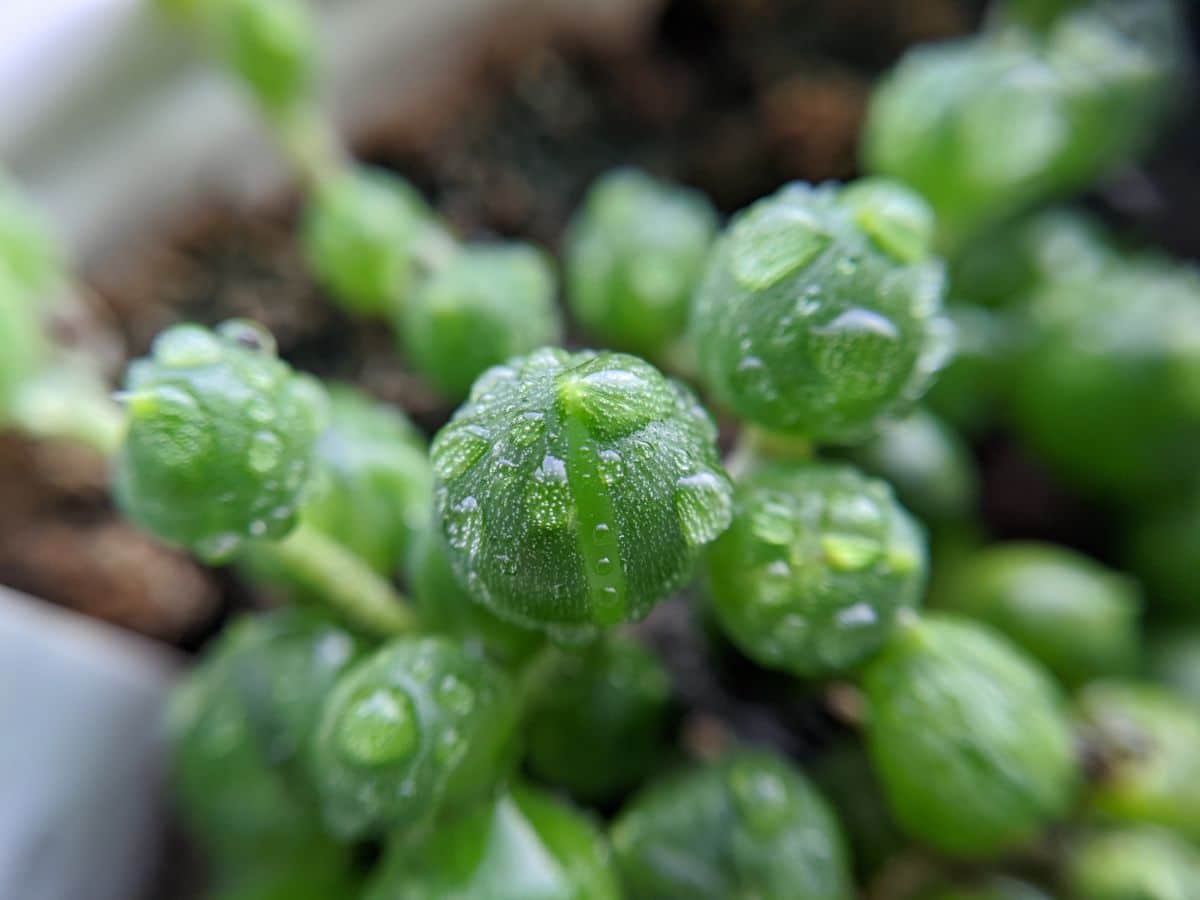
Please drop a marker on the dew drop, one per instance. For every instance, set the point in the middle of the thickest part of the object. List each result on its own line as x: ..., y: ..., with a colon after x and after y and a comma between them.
x: 218, y: 547
x: 603, y: 565
x: 187, y: 346
x: 773, y: 522
x: 378, y: 727
x: 602, y: 533
x: 762, y: 800
x: 849, y: 552
x: 859, y: 615
x: 265, y: 451
x: 456, y: 695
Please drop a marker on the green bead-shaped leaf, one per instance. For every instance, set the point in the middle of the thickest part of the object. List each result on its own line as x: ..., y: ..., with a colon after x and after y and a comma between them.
x: 1107, y: 388
x: 271, y: 45
x: 597, y: 726
x: 819, y: 314
x: 361, y: 231
x: 953, y: 697
x: 522, y: 845
x: 577, y: 489
x: 817, y: 564
x: 220, y: 442
x: 234, y: 798
x: 634, y: 253
x: 485, y: 304
x: 1076, y: 617
x: 419, y: 725
x: 747, y: 826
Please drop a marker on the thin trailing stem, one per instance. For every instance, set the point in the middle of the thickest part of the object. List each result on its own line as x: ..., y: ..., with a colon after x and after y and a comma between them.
x: 352, y: 590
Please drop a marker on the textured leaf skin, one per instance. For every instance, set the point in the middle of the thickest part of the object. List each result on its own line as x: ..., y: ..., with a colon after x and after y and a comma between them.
x: 969, y: 738
x: 220, y: 441
x: 818, y: 562
x: 1105, y: 389
x: 820, y: 312
x: 576, y: 490
x: 633, y: 255
x: 598, y: 726
x: 1073, y: 615
x: 523, y: 845
x: 485, y: 304
x: 1148, y: 740
x: 1133, y: 864
x: 749, y: 825
x: 417, y: 727
x: 359, y: 232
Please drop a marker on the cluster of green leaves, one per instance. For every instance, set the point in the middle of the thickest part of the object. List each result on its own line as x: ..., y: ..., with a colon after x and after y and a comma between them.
x: 360, y: 742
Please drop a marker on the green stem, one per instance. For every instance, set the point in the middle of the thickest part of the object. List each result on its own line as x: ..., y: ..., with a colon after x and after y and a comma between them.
x: 69, y: 407
x: 308, y: 141
x: 350, y: 587
x: 756, y: 445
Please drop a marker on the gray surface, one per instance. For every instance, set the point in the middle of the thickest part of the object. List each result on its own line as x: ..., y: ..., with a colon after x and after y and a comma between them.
x: 80, y: 755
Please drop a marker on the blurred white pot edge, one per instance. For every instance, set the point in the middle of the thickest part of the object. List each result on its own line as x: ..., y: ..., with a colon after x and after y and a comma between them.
x: 80, y: 754
x: 115, y: 122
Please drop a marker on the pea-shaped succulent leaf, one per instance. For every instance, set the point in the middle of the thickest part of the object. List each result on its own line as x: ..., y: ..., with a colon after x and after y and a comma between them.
x: 1009, y: 263
x: 815, y: 567
x: 993, y: 887
x: 820, y: 310
x: 419, y: 725
x: 447, y: 607
x: 1174, y: 661
x: 283, y: 665
x: 597, y: 725
x: 1070, y: 104
x: 22, y: 341
x: 482, y: 306
x: 634, y: 253
x: 1105, y: 389
x: 220, y: 440
x: 1133, y: 864
x: 523, y: 845
x: 953, y: 698
x: 271, y: 46
x: 928, y: 465
x: 29, y: 257
x: 845, y: 777
x: 317, y: 871
x: 372, y: 481
x: 1146, y: 742
x: 577, y: 489
x: 232, y: 797
x: 363, y: 231
x: 747, y: 826
x: 1076, y: 617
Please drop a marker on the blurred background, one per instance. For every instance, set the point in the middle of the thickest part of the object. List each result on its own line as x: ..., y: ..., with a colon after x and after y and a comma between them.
x: 174, y: 204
